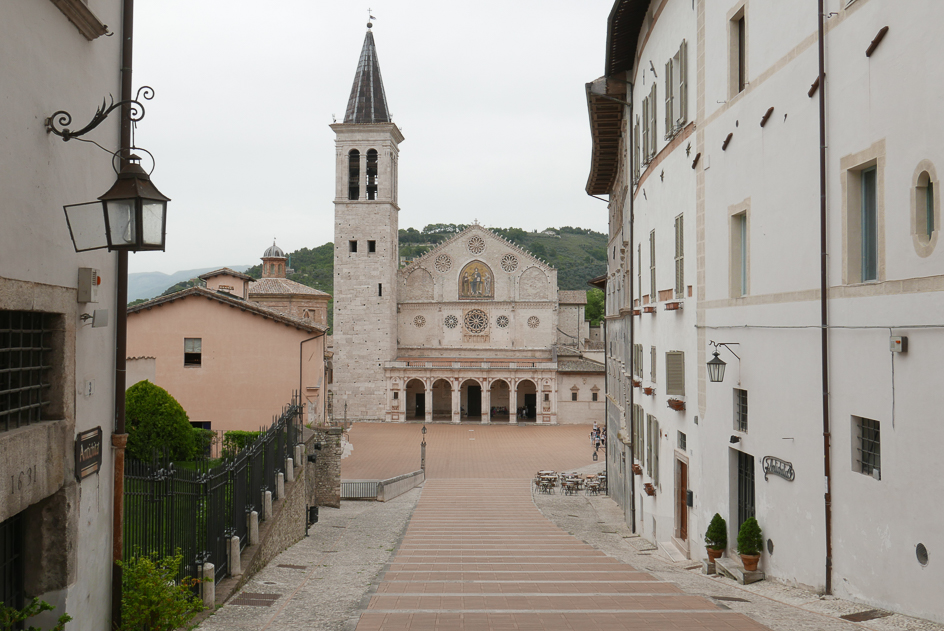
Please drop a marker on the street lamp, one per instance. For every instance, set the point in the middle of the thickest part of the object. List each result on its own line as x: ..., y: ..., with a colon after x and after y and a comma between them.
x: 716, y: 364
x: 423, y: 452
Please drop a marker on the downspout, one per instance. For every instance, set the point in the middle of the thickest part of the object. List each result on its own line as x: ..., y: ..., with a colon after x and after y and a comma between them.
x: 824, y: 293
x: 632, y: 323
x: 119, y: 438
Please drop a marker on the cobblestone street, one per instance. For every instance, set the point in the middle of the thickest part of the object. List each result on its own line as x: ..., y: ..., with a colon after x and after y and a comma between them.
x: 489, y: 553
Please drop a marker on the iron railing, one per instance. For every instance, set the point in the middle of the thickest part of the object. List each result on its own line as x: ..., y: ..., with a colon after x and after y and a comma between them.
x: 197, y: 508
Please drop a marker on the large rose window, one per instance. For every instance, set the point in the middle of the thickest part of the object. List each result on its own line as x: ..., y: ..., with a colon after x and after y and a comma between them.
x: 476, y: 321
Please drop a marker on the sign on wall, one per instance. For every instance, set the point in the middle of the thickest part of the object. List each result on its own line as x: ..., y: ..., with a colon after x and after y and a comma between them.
x: 88, y: 453
x: 778, y: 467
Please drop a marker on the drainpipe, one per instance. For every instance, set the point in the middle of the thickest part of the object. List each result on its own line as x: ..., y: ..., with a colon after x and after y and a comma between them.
x: 824, y: 293
x: 119, y: 438
x: 632, y: 323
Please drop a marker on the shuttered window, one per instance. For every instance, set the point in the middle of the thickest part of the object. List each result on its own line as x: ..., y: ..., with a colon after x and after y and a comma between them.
x: 636, y: 162
x: 652, y: 364
x: 675, y: 373
x: 679, y: 257
x: 652, y: 266
x: 680, y: 75
x: 653, y: 142
x: 652, y: 449
x: 193, y: 351
x: 669, y: 99
x: 645, y: 131
x: 637, y: 360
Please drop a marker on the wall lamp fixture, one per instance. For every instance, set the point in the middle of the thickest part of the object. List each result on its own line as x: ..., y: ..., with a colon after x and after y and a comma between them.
x: 132, y: 215
x: 716, y: 364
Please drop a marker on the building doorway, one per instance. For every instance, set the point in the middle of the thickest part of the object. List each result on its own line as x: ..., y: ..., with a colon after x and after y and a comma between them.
x: 526, y: 400
x: 420, y: 404
x: 681, y: 502
x: 415, y: 400
x: 474, y: 400
x: 442, y: 400
x: 745, y: 487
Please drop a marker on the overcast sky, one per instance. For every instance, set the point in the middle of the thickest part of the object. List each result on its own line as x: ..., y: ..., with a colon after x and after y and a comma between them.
x: 489, y: 95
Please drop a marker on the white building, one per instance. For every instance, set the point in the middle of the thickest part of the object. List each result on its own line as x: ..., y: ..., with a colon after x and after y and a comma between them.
x: 475, y: 329
x: 706, y: 130
x: 57, y: 371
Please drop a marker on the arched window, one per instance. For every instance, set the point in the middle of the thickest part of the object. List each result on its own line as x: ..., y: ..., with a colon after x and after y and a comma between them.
x: 354, y: 174
x: 371, y: 174
x: 925, y: 208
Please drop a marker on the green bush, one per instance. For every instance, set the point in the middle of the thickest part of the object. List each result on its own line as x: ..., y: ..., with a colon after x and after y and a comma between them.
x: 155, y: 421
x: 716, y: 537
x: 151, y: 600
x: 235, y: 441
x: 750, y: 538
x: 10, y: 617
x: 203, y: 440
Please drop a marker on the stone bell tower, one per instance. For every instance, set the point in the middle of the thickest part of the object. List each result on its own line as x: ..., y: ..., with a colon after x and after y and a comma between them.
x: 366, y: 256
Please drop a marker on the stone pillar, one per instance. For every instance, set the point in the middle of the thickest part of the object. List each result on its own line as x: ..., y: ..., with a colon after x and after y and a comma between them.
x: 208, y: 586
x: 253, y: 528
x: 513, y: 401
x: 363, y: 180
x: 486, y: 403
x: 456, y: 402
x: 267, y: 505
x: 403, y: 402
x: 429, y: 402
x: 233, y: 561
x: 289, y: 470
x: 280, y: 485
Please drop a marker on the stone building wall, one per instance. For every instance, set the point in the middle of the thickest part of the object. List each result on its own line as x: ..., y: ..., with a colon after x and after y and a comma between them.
x: 324, y: 479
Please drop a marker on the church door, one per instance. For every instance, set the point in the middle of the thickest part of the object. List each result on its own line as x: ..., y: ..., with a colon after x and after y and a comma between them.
x: 420, y: 404
x: 531, y: 403
x: 475, y: 400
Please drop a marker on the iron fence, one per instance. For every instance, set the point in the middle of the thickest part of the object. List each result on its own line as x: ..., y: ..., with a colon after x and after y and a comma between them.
x: 197, y: 508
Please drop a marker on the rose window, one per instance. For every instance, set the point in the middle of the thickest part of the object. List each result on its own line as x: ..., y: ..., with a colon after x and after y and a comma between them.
x: 476, y: 321
x: 509, y: 262
x: 419, y: 321
x: 443, y: 263
x: 502, y: 321
x: 452, y: 321
x: 533, y: 322
x: 476, y: 245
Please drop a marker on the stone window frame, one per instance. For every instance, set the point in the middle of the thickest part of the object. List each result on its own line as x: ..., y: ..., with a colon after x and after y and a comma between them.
x: 923, y: 244
x: 738, y: 50
x: 82, y: 17
x: 850, y: 177
x: 739, y: 250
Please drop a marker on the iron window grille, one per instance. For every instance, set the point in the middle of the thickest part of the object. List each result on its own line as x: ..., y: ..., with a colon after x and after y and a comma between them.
x: 11, y: 562
x: 870, y: 446
x: 740, y: 410
x: 25, y: 345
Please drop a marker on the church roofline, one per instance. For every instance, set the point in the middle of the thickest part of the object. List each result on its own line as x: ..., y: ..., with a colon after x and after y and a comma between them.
x: 368, y: 100
x: 513, y: 246
x: 391, y: 128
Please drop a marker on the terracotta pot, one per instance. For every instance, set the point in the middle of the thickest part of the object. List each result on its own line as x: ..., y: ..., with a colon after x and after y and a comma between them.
x: 750, y: 562
x: 637, y: 469
x: 714, y: 554
x: 650, y: 489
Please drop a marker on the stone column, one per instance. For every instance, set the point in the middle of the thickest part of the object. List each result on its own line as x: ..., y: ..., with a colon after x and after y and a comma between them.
x: 429, y: 402
x: 486, y: 402
x: 513, y: 401
x: 456, y: 402
x: 363, y: 182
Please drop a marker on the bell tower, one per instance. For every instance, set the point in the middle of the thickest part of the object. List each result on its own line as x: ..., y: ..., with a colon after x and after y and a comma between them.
x: 366, y: 254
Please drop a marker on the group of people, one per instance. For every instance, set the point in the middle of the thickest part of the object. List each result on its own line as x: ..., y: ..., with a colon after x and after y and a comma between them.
x: 597, y: 437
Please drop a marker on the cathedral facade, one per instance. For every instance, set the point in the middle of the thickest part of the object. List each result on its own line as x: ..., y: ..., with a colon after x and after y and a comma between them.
x: 476, y: 329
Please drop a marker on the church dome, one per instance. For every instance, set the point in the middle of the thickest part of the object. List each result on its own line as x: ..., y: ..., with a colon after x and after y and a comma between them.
x: 274, y: 252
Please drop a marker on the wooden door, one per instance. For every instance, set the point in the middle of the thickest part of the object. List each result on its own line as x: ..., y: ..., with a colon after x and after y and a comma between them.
x: 681, y: 499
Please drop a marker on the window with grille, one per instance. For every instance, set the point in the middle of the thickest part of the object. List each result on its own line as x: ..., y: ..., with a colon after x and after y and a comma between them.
x: 868, y: 444
x: 682, y: 441
x: 679, y: 257
x: 745, y: 487
x: 594, y: 396
x: 740, y: 410
x: 573, y: 396
x: 193, y: 351
x: 11, y: 562
x: 25, y: 345
x: 675, y: 372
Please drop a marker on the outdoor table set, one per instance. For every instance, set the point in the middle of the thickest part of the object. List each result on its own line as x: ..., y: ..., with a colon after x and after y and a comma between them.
x: 570, y: 483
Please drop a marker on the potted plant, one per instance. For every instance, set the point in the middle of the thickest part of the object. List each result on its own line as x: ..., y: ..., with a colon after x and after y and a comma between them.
x: 650, y: 489
x: 750, y: 542
x: 716, y: 537
x: 676, y: 404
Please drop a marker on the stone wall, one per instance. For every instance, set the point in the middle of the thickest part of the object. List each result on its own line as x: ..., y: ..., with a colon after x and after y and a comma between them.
x: 285, y: 527
x: 324, y: 479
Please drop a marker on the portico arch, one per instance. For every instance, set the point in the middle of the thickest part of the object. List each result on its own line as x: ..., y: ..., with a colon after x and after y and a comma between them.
x: 470, y: 399
x: 442, y: 400
x: 415, y: 400
x: 500, y: 399
x: 526, y: 400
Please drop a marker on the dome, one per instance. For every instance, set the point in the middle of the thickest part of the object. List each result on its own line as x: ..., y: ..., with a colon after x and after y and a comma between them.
x: 274, y: 252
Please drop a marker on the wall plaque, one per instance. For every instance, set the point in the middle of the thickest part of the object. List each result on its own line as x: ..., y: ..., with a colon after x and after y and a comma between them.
x: 88, y: 453
x: 778, y: 467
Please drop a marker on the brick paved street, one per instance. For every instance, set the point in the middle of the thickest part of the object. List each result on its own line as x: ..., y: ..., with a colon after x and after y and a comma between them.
x: 479, y: 555
x: 468, y: 450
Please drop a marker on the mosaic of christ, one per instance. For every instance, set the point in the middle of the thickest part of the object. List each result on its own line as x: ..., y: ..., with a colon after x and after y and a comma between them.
x: 475, y: 281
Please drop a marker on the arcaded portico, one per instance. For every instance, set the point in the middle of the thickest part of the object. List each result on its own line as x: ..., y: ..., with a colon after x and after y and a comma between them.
x: 472, y: 390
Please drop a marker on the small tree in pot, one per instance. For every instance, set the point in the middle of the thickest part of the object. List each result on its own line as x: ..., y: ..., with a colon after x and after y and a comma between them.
x: 750, y: 542
x: 716, y: 537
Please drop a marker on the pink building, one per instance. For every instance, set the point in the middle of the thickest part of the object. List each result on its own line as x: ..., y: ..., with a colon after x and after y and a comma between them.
x: 230, y: 359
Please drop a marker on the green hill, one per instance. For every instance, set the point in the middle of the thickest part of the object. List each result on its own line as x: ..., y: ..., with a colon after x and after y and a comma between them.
x: 577, y: 254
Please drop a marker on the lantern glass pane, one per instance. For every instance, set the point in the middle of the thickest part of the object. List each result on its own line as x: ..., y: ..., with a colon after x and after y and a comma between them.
x: 121, y: 222
x: 87, y: 226
x: 152, y: 220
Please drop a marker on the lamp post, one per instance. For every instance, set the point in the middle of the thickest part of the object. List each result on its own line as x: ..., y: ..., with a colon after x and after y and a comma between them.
x: 716, y: 365
x: 423, y: 452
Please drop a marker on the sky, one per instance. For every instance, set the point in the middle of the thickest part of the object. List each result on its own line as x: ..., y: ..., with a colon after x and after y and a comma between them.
x: 488, y: 94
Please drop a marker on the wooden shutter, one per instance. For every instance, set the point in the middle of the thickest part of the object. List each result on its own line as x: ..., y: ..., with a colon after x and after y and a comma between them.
x: 636, y: 151
x: 645, y: 130
x: 653, y: 138
x: 669, y: 92
x: 681, y: 81
x: 652, y: 266
x: 652, y: 364
x: 655, y: 451
x: 679, y: 257
x: 675, y: 373
x: 649, y: 421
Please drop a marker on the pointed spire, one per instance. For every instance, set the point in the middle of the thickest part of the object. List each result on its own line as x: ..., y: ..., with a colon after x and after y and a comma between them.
x: 368, y: 102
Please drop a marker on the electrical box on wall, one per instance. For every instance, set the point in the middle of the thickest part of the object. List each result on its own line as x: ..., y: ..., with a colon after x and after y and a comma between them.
x: 898, y: 344
x: 89, y: 280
